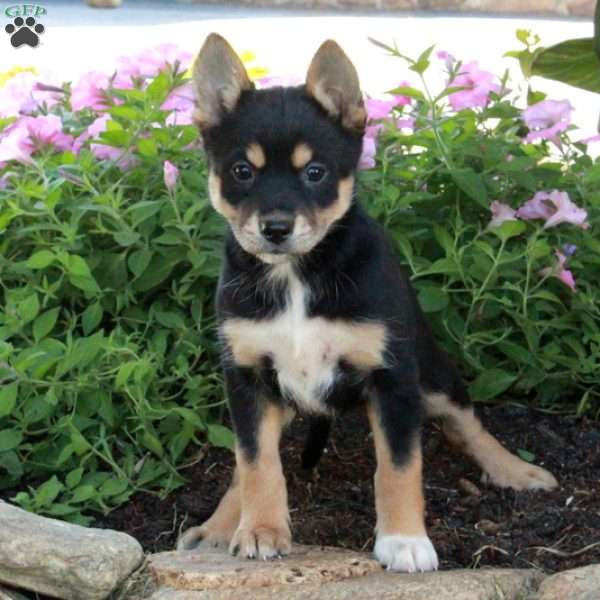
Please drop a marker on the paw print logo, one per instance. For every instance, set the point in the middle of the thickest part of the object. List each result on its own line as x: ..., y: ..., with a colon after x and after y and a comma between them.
x: 24, y: 32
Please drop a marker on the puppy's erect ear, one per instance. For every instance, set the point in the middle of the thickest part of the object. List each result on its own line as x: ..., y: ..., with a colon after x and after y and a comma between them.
x: 333, y: 82
x: 219, y: 78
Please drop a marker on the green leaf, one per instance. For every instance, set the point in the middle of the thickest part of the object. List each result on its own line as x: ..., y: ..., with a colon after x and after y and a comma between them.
x: 91, y: 317
x: 82, y: 493
x: 491, y: 383
x: 48, y: 492
x: 126, y: 238
x: 147, y: 147
x: 29, y: 308
x: 472, y: 184
x: 526, y: 455
x: 574, y: 62
x: 124, y: 373
x: 158, y: 90
x: 509, y: 229
x: 40, y: 259
x: 432, y: 299
x: 410, y: 92
x: 220, y: 436
x: 8, y: 398
x: 139, y: 260
x: 9, y: 439
x: 44, y: 324
x: 74, y: 477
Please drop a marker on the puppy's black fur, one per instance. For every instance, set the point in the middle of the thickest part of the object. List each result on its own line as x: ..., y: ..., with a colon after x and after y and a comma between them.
x: 315, y: 311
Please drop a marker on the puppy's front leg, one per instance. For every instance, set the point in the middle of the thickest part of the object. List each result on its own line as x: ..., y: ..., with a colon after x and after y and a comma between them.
x: 395, y: 414
x: 264, y: 529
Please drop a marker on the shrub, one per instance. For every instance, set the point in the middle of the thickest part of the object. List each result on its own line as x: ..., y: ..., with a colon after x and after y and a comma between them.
x: 109, y: 256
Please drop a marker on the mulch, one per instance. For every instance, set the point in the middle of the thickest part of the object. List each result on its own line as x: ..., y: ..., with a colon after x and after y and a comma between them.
x: 471, y: 524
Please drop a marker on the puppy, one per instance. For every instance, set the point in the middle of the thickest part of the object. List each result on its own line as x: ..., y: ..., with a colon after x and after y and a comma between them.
x: 315, y: 312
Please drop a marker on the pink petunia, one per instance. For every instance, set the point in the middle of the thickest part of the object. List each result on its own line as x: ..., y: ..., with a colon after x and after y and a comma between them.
x: 90, y: 92
x: 554, y: 207
x: 15, y: 144
x: 546, y: 119
x: 478, y: 83
x: 170, y: 174
x: 382, y: 109
x: 103, y: 151
x: 367, y: 158
x: 181, y: 101
x: 23, y: 94
x: 448, y: 59
x: 149, y: 63
x: 559, y: 271
x: 501, y: 213
x: 591, y: 140
x: 48, y: 130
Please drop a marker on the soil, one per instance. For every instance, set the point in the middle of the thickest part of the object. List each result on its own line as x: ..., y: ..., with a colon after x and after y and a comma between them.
x: 470, y: 524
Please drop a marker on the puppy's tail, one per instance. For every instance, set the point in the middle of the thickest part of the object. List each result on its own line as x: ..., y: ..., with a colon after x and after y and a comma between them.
x: 318, y: 433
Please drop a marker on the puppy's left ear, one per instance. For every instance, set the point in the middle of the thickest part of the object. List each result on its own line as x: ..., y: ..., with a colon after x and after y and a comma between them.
x: 219, y: 78
x: 333, y: 82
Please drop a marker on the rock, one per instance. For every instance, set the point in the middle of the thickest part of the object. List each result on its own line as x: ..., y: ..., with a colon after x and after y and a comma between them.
x: 215, y: 569
x: 315, y: 573
x: 6, y: 594
x: 576, y: 584
x: 61, y: 559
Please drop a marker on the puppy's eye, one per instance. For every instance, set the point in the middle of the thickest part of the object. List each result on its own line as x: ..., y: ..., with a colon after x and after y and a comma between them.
x: 242, y: 171
x: 315, y: 172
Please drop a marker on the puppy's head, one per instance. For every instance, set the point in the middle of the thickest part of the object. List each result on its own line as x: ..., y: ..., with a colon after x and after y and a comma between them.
x: 281, y: 160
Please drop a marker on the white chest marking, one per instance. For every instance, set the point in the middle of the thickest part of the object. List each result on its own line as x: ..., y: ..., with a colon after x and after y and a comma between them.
x: 305, y: 351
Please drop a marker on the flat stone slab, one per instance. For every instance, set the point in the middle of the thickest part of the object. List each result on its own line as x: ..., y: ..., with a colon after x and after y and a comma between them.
x: 207, y: 569
x: 575, y: 584
x: 321, y: 573
x: 61, y: 559
x: 496, y: 584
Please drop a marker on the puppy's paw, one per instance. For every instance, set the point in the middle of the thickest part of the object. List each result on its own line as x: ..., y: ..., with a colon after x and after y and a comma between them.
x: 205, y: 536
x: 262, y: 542
x: 521, y: 475
x: 406, y: 553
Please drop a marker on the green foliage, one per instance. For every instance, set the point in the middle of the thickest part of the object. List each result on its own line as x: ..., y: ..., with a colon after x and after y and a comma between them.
x: 492, y: 293
x: 107, y: 342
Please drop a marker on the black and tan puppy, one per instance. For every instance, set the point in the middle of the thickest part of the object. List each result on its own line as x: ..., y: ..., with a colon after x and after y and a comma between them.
x: 315, y: 312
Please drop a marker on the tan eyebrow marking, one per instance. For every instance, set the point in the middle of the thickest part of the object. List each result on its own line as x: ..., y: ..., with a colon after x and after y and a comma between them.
x: 301, y: 155
x: 256, y: 155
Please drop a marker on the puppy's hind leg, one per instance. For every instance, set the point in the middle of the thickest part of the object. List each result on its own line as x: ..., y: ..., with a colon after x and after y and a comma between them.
x: 463, y: 428
x: 219, y: 529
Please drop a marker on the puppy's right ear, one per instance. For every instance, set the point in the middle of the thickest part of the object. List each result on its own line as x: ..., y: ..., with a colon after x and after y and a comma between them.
x: 219, y: 78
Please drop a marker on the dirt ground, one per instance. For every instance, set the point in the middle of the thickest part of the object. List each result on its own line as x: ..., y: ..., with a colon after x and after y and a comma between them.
x: 471, y: 524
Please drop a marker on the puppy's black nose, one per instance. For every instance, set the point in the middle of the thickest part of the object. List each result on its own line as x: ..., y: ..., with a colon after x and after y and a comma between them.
x: 276, y: 230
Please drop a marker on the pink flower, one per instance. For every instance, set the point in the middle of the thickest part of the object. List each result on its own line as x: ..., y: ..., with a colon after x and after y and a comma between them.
x: 367, y: 158
x: 3, y: 181
x: 479, y: 85
x: 559, y: 271
x: 555, y: 207
x: 546, y: 119
x: 171, y: 174
x: 501, y: 213
x: 382, y: 109
x: 90, y: 92
x: 590, y: 140
x: 182, y: 102
x: 25, y: 136
x: 15, y: 144
x: 102, y: 151
x: 448, y: 59
x: 22, y: 94
x: 149, y: 63
x: 47, y: 129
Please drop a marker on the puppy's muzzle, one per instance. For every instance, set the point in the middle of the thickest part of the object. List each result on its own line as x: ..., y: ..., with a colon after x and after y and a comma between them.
x: 276, y: 228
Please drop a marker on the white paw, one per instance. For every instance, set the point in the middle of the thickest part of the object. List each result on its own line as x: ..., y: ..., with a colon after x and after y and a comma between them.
x: 406, y: 553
